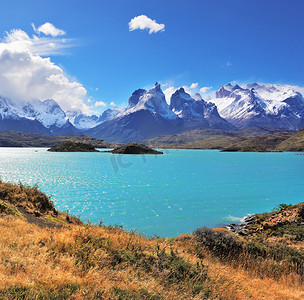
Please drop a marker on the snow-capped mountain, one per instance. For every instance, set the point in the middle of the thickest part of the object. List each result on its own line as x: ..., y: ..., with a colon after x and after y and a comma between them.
x: 153, y: 101
x: 260, y: 104
x: 110, y: 113
x: 84, y: 122
x: 148, y: 115
x: 38, y: 117
x: 196, y: 112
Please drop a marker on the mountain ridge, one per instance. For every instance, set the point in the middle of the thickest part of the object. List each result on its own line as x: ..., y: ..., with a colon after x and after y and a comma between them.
x: 148, y: 115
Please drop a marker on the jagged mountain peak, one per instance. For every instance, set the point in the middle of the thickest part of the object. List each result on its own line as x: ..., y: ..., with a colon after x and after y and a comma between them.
x: 133, y: 100
x: 197, y: 96
x: 37, y: 116
x: 196, y: 112
x: 157, y: 87
x: 261, y: 104
x: 152, y: 100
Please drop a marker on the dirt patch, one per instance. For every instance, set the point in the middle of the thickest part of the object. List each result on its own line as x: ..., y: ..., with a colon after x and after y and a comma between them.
x: 39, y: 221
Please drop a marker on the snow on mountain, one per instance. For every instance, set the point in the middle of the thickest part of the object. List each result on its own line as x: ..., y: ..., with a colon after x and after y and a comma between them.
x: 47, y: 113
x: 110, y: 113
x: 5, y: 110
x: 196, y: 112
x: 261, y: 104
x: 82, y: 121
x: 153, y: 100
x: 148, y: 115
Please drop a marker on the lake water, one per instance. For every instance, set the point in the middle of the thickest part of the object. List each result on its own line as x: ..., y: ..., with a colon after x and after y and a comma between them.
x: 163, y: 195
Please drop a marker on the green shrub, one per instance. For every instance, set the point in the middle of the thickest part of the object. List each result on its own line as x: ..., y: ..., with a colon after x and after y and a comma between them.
x: 281, y: 207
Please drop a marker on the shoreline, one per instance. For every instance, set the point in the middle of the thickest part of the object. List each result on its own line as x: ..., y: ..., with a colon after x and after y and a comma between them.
x: 242, y: 228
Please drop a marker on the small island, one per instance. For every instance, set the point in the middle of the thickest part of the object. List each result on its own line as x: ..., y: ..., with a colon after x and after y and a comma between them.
x: 73, y: 147
x: 135, y: 149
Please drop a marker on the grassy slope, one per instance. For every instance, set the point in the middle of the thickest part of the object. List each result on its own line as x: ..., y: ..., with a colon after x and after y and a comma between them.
x: 254, y: 139
x: 294, y: 143
x: 20, y: 139
x: 45, y: 254
x: 264, y: 143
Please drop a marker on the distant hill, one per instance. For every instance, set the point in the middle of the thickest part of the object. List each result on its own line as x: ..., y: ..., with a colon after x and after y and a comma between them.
x: 263, y: 143
x: 21, y: 139
x: 253, y: 139
x: 294, y: 143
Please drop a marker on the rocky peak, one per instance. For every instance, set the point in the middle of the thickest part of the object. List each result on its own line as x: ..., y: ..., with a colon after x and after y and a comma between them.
x: 197, y: 97
x: 157, y: 87
x: 222, y: 92
x: 133, y: 100
x: 179, y: 99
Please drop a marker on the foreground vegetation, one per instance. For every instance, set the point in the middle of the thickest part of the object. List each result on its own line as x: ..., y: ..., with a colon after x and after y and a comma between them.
x: 46, y: 254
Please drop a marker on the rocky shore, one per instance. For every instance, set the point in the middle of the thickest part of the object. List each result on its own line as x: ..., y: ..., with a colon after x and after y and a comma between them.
x: 243, y: 227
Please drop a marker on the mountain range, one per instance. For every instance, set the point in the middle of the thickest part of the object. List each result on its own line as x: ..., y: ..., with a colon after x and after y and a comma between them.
x: 148, y: 114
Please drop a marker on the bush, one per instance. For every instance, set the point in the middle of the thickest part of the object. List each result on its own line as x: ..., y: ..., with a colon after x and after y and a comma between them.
x: 221, y: 244
x: 281, y: 207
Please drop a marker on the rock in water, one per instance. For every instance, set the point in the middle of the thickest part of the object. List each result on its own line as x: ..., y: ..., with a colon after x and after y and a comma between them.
x: 73, y: 147
x: 135, y: 149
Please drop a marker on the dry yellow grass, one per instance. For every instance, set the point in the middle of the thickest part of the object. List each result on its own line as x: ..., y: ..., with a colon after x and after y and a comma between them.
x: 78, y: 261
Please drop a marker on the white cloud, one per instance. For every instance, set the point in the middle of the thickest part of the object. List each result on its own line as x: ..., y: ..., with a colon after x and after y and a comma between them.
x: 25, y: 75
x: 169, y: 92
x: 193, y: 85
x: 204, y: 89
x: 100, y: 103
x: 192, y: 89
x: 44, y: 46
x: 48, y: 29
x: 113, y: 103
x: 143, y: 22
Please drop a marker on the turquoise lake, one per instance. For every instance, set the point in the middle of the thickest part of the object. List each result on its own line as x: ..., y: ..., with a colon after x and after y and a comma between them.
x: 163, y: 195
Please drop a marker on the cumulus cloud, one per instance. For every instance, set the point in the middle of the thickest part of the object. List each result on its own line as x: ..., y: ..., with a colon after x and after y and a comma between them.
x: 143, y: 22
x: 113, y: 103
x: 26, y: 76
x: 191, y: 89
x: 205, y: 89
x: 193, y: 85
x: 48, y: 29
x: 100, y: 103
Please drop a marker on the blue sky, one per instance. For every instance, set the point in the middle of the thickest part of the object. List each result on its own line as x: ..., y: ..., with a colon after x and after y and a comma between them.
x: 209, y: 42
